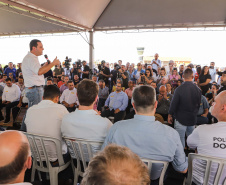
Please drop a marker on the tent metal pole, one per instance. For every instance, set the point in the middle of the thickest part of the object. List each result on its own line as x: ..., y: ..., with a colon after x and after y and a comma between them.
x: 91, y: 50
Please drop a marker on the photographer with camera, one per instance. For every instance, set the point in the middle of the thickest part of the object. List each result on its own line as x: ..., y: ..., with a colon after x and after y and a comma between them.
x: 136, y: 73
x: 75, y: 69
x: 146, y: 77
x: 156, y: 63
x: 85, y: 72
x: 104, y: 72
x: 66, y: 67
x: 124, y: 76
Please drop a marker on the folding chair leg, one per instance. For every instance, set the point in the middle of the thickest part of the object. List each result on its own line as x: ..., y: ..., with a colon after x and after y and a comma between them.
x: 39, y: 176
x: 76, y: 177
x: 33, y: 174
x: 53, y: 173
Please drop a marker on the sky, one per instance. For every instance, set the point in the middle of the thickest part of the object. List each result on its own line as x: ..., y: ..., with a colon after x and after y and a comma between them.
x: 201, y: 46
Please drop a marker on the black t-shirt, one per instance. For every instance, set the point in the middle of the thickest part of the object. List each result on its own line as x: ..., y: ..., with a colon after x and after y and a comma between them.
x: 209, y: 95
x: 125, y: 81
x: 106, y: 71
x: 114, y: 76
x: 202, y: 79
x: 86, y: 68
x: 76, y: 82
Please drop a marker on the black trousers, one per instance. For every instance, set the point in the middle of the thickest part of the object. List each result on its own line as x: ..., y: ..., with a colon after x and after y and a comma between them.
x: 8, y: 107
x: 71, y: 109
x: 101, y: 103
x: 129, y: 107
x: 117, y: 117
x: 15, y: 110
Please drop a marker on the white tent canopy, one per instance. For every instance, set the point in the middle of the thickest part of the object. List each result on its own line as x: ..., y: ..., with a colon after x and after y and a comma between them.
x: 51, y: 16
x: 18, y: 17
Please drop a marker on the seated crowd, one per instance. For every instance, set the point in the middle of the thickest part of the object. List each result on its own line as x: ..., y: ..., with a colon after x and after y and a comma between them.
x: 186, y: 102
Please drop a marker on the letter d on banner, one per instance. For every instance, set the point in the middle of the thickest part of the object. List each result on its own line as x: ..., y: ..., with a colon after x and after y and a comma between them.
x: 216, y: 145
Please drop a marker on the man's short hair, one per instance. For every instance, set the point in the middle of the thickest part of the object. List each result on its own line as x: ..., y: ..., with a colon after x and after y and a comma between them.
x: 116, y: 165
x: 163, y: 69
x: 70, y: 81
x: 144, y: 97
x: 188, y: 73
x: 20, y: 77
x: 8, y: 79
x: 11, y: 171
x: 49, y: 78
x: 87, y: 92
x: 51, y: 91
x: 101, y: 81
x: 34, y: 43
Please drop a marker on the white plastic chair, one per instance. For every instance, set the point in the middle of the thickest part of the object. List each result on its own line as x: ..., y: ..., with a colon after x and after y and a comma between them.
x: 209, y: 160
x: 38, y: 145
x: 150, y: 162
x: 81, y: 151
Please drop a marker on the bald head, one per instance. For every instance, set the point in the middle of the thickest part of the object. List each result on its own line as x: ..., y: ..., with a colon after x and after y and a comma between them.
x: 222, y: 97
x: 162, y: 87
x: 219, y: 107
x: 14, y: 153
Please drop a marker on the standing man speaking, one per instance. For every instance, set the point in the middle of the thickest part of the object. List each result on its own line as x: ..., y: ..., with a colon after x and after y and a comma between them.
x: 33, y: 72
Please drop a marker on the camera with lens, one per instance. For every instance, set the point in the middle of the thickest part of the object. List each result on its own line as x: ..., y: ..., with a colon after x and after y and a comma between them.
x: 101, y: 66
x: 79, y: 64
x: 117, y: 67
x: 67, y: 62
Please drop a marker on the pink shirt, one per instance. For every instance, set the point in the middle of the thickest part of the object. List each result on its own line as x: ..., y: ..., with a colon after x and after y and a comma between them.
x: 129, y: 92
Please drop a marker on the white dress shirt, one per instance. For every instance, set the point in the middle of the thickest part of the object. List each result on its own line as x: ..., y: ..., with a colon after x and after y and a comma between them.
x: 2, y: 84
x: 11, y: 94
x: 213, y: 73
x: 25, y: 99
x: 30, y: 68
x: 45, y: 119
x: 69, y: 96
x: 155, y: 66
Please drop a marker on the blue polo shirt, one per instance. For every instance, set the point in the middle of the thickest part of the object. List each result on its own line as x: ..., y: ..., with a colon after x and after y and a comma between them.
x: 8, y: 70
x: 149, y: 139
x: 117, y: 101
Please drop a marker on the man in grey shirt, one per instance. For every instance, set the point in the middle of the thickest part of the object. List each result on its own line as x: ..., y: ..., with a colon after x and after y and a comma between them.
x: 164, y: 100
x: 146, y: 137
x: 102, y: 94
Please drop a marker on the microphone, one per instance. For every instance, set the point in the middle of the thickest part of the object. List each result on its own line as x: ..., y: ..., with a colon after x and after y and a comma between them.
x: 46, y: 57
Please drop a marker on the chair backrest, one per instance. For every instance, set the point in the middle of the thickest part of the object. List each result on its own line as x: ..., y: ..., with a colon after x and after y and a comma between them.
x: 46, y: 149
x: 82, y: 150
x: 150, y: 162
x: 209, y: 162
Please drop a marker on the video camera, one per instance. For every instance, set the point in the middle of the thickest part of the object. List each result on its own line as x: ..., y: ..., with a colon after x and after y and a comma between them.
x: 101, y: 66
x: 67, y: 62
x: 79, y: 64
x: 117, y: 67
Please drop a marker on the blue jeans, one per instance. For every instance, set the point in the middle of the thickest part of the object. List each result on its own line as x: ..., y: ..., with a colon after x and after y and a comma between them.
x: 182, y: 129
x: 34, y: 95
